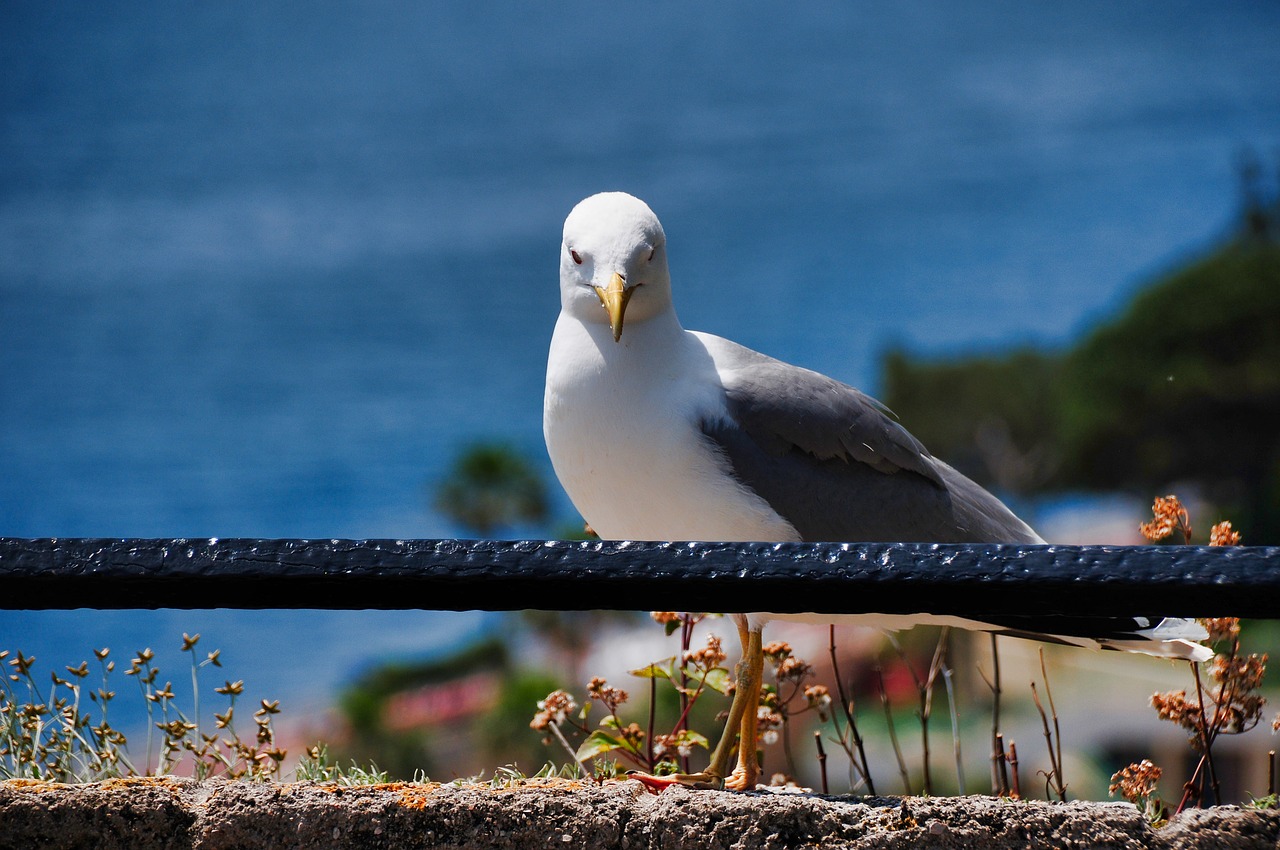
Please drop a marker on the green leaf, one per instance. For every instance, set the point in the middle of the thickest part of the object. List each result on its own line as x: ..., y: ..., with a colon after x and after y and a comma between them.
x: 718, y: 680
x: 664, y: 669
x: 598, y: 743
x: 694, y: 738
x: 671, y: 626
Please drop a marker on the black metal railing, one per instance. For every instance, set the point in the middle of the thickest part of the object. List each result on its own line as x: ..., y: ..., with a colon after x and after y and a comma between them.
x: 825, y: 578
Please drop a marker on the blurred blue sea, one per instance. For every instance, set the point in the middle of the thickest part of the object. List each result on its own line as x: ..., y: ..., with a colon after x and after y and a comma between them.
x: 263, y: 270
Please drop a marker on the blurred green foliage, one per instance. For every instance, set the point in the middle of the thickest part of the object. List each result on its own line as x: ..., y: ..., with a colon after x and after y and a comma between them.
x: 492, y: 485
x: 1182, y: 387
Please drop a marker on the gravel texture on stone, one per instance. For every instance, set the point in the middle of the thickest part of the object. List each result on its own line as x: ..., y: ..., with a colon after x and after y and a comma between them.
x: 219, y: 815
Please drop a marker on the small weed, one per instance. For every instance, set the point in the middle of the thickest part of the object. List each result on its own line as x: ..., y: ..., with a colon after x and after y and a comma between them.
x: 1271, y: 801
x: 317, y: 766
x: 692, y: 674
x: 55, y: 737
x: 1137, y: 784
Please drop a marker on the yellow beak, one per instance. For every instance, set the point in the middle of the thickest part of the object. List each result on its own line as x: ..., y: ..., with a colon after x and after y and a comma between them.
x: 614, y: 298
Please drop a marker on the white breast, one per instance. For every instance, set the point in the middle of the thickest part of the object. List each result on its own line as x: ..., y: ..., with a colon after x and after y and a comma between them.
x: 621, y: 425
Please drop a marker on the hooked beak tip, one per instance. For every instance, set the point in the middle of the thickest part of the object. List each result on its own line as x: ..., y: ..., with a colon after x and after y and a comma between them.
x: 614, y: 299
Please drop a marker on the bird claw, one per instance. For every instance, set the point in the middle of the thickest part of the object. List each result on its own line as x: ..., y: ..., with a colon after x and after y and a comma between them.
x: 658, y: 784
x: 739, y: 780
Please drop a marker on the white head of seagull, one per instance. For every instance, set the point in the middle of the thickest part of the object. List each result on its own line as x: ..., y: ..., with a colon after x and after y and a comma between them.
x: 613, y: 262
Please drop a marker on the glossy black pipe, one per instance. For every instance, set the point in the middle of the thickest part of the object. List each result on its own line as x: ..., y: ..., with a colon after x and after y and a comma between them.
x: 455, y: 575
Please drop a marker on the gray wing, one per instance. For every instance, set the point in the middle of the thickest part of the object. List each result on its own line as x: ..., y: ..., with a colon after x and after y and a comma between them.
x: 833, y: 463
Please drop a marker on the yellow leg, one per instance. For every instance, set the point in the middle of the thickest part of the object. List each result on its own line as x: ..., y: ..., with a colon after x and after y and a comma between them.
x: 747, y: 773
x: 743, y: 721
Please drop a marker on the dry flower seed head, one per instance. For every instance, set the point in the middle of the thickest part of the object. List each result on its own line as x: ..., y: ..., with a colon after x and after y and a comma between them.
x: 1169, y: 515
x: 710, y: 656
x: 22, y: 663
x: 1137, y: 782
x: 1221, y: 628
x: 272, y: 707
x: 769, y: 721
x: 189, y: 641
x: 213, y: 658
x: 1176, y: 708
x: 100, y: 654
x: 231, y: 688
x: 777, y: 650
x: 612, y: 697
x: 632, y: 734
x: 664, y: 617
x: 1239, y: 673
x: 819, y: 698
x: 557, y: 706
x: 793, y: 669
x: 1222, y: 535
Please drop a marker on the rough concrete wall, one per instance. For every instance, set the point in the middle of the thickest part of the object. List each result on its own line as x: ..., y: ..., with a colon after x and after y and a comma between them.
x: 142, y: 814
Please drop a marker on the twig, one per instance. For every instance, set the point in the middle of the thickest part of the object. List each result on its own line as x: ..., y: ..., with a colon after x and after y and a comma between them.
x: 847, y: 707
x: 999, y: 785
x: 686, y: 640
x: 893, y: 735
x: 1271, y: 773
x: 1013, y: 764
x: 1189, y: 786
x: 1207, y: 735
x: 1057, y: 733
x: 822, y: 760
x: 1002, y: 766
x: 653, y: 702
x: 555, y: 728
x: 955, y: 729
x: 924, y: 690
x: 1054, y: 778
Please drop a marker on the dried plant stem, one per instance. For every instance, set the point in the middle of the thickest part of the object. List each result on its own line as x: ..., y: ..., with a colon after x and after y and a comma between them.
x: 924, y: 690
x: 846, y: 706
x: 1013, y: 765
x: 999, y: 785
x: 955, y: 729
x: 1208, y: 734
x: 555, y: 729
x: 1002, y: 766
x: 648, y: 739
x: 686, y: 641
x: 1190, y: 786
x: 1271, y: 773
x: 893, y: 735
x: 1057, y: 732
x: 822, y: 760
x: 1053, y: 779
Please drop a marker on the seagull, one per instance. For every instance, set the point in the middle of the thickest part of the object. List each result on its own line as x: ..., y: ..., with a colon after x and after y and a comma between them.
x: 659, y: 433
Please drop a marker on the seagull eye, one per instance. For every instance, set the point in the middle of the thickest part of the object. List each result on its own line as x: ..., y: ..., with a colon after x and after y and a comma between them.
x: 576, y: 258
x: 651, y: 254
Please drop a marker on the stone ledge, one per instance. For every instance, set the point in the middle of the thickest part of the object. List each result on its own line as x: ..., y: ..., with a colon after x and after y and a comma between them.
x: 175, y: 814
